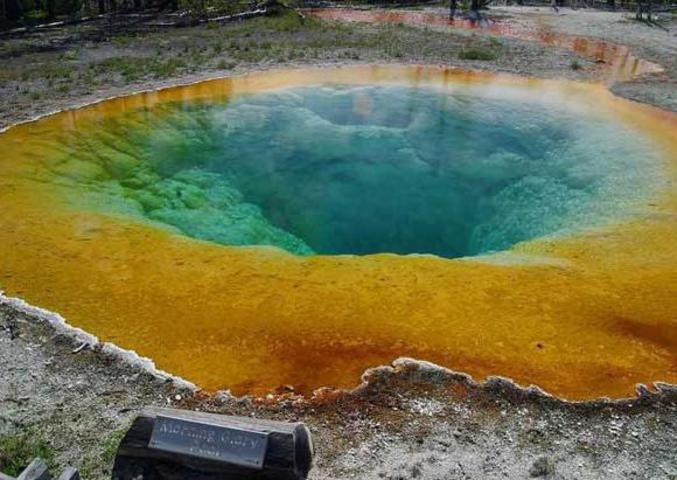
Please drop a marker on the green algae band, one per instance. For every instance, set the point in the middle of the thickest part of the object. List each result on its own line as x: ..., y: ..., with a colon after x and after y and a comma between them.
x: 253, y: 232
x: 362, y: 169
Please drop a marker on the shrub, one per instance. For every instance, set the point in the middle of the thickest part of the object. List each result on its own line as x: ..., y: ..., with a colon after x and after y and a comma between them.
x: 477, y: 53
x: 225, y: 65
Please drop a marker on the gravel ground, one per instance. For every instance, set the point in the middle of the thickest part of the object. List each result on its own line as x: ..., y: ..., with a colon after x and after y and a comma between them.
x: 655, y: 43
x: 410, y: 421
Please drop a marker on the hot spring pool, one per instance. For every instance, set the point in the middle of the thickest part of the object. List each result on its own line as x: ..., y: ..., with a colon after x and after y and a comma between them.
x: 252, y: 232
x: 363, y: 169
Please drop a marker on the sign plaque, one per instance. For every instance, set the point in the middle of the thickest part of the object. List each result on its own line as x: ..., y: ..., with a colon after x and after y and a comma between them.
x: 209, y: 441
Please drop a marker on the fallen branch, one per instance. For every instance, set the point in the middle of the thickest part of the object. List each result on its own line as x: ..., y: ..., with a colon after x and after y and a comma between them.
x: 237, y: 16
x: 268, y: 7
x: 80, y: 348
x: 44, y: 26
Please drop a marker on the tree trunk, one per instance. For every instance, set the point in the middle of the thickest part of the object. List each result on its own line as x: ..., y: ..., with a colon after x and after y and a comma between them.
x: 50, y: 9
x: 172, y: 4
x: 14, y: 9
x: 453, y: 4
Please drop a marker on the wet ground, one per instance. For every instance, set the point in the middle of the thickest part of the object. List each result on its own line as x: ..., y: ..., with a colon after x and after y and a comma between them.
x: 615, y: 62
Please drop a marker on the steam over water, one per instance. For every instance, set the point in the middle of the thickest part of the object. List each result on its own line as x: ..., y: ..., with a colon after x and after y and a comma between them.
x: 368, y: 169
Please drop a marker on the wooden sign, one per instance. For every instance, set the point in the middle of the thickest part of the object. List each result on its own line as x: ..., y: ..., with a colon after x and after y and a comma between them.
x: 209, y: 440
x: 178, y: 444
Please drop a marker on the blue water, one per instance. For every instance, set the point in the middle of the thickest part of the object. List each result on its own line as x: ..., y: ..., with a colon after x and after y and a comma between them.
x: 359, y: 170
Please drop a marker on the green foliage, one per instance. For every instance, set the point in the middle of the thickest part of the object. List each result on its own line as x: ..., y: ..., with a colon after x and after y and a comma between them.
x: 57, y: 71
x: 99, y: 461
x: 166, y: 68
x: 134, y: 68
x: 575, y: 64
x: 225, y: 65
x: 196, y: 7
x: 224, y: 7
x: 35, y: 16
x: 130, y: 68
x: 110, y: 445
x: 122, y: 40
x: 287, y: 21
x: 17, y: 451
x: 71, y: 55
x: 478, y: 53
x: 495, y: 42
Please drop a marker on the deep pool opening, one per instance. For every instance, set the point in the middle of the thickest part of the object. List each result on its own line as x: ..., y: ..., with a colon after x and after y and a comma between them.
x: 369, y: 169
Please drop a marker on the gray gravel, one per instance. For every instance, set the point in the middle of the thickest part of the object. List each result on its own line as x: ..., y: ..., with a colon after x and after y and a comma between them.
x: 654, y: 43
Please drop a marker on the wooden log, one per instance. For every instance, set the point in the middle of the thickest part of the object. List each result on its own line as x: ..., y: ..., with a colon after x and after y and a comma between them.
x: 166, y: 444
x: 42, y: 26
x: 237, y: 16
x: 69, y: 473
x: 36, y: 470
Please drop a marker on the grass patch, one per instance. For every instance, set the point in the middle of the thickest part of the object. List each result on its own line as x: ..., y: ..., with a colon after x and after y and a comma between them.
x: 284, y: 22
x: 71, y: 55
x: 110, y: 445
x: 130, y: 68
x: 478, y: 53
x: 17, y: 451
x: 122, y: 40
x: 56, y: 71
x: 98, y: 462
x: 135, y: 68
x: 166, y: 68
x: 225, y: 65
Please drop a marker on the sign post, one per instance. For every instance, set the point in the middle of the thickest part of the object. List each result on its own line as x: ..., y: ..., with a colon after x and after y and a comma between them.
x: 178, y: 444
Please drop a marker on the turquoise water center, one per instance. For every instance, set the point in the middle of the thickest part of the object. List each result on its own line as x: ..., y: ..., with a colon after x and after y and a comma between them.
x: 362, y: 169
